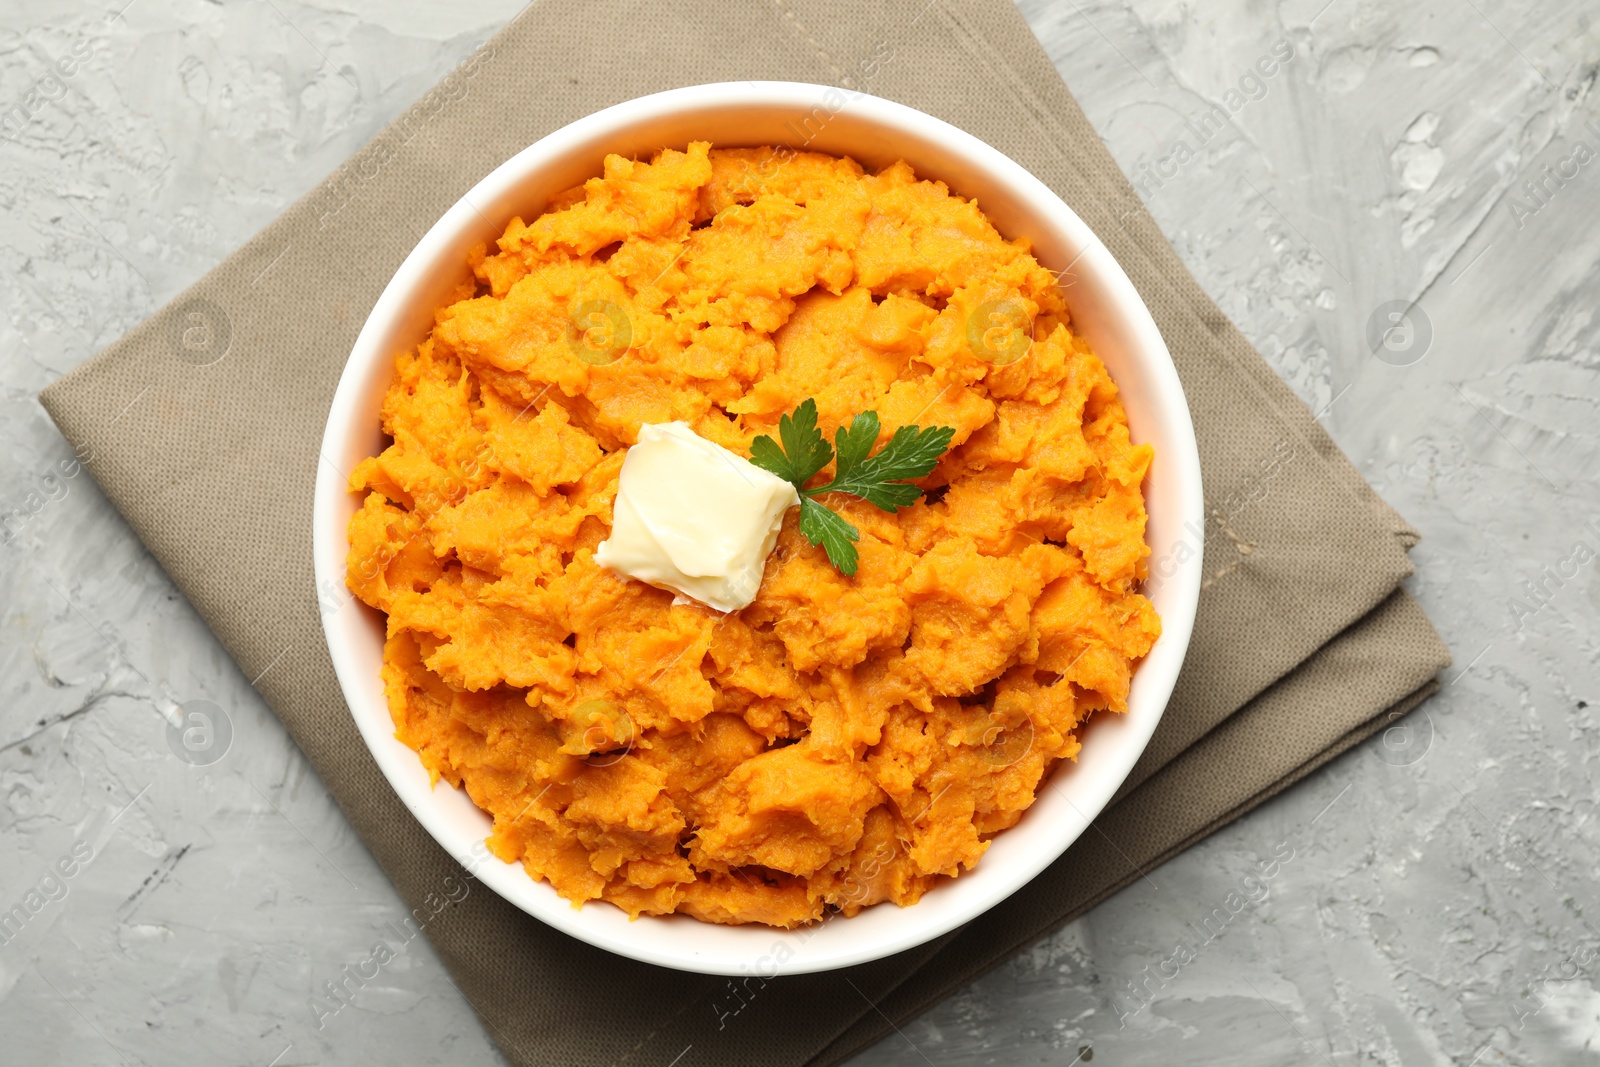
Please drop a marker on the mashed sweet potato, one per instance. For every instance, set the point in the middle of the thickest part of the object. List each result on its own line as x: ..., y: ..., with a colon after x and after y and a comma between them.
x: 841, y: 741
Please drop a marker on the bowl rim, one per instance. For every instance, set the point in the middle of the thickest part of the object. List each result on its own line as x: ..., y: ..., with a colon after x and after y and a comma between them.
x: 639, y: 939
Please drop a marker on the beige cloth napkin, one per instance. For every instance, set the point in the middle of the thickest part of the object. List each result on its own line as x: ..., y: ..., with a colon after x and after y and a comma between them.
x: 205, y: 422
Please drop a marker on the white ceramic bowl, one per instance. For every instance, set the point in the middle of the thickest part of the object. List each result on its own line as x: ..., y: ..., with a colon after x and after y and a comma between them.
x: 1105, y: 308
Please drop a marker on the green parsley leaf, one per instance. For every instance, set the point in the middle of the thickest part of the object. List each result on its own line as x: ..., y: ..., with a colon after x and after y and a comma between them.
x: 881, y: 480
x: 804, y: 452
x: 826, y: 527
x: 853, y: 443
x: 912, y: 452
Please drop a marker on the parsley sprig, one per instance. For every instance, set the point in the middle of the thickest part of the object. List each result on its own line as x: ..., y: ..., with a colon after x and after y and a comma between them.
x: 880, y: 479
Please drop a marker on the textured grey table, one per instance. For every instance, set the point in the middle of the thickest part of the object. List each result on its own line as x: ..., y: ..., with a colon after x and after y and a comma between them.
x: 1439, y: 905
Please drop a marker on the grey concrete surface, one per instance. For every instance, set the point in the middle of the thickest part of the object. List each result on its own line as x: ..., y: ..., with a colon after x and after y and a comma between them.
x: 1436, y: 906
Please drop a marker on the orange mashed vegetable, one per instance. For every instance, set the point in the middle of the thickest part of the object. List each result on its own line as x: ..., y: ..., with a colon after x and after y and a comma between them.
x: 841, y: 741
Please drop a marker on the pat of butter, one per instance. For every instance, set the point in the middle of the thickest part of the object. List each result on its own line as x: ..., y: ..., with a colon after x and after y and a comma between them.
x: 694, y: 518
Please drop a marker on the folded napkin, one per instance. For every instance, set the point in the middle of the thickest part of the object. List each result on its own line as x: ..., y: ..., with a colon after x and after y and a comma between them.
x: 205, y: 421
